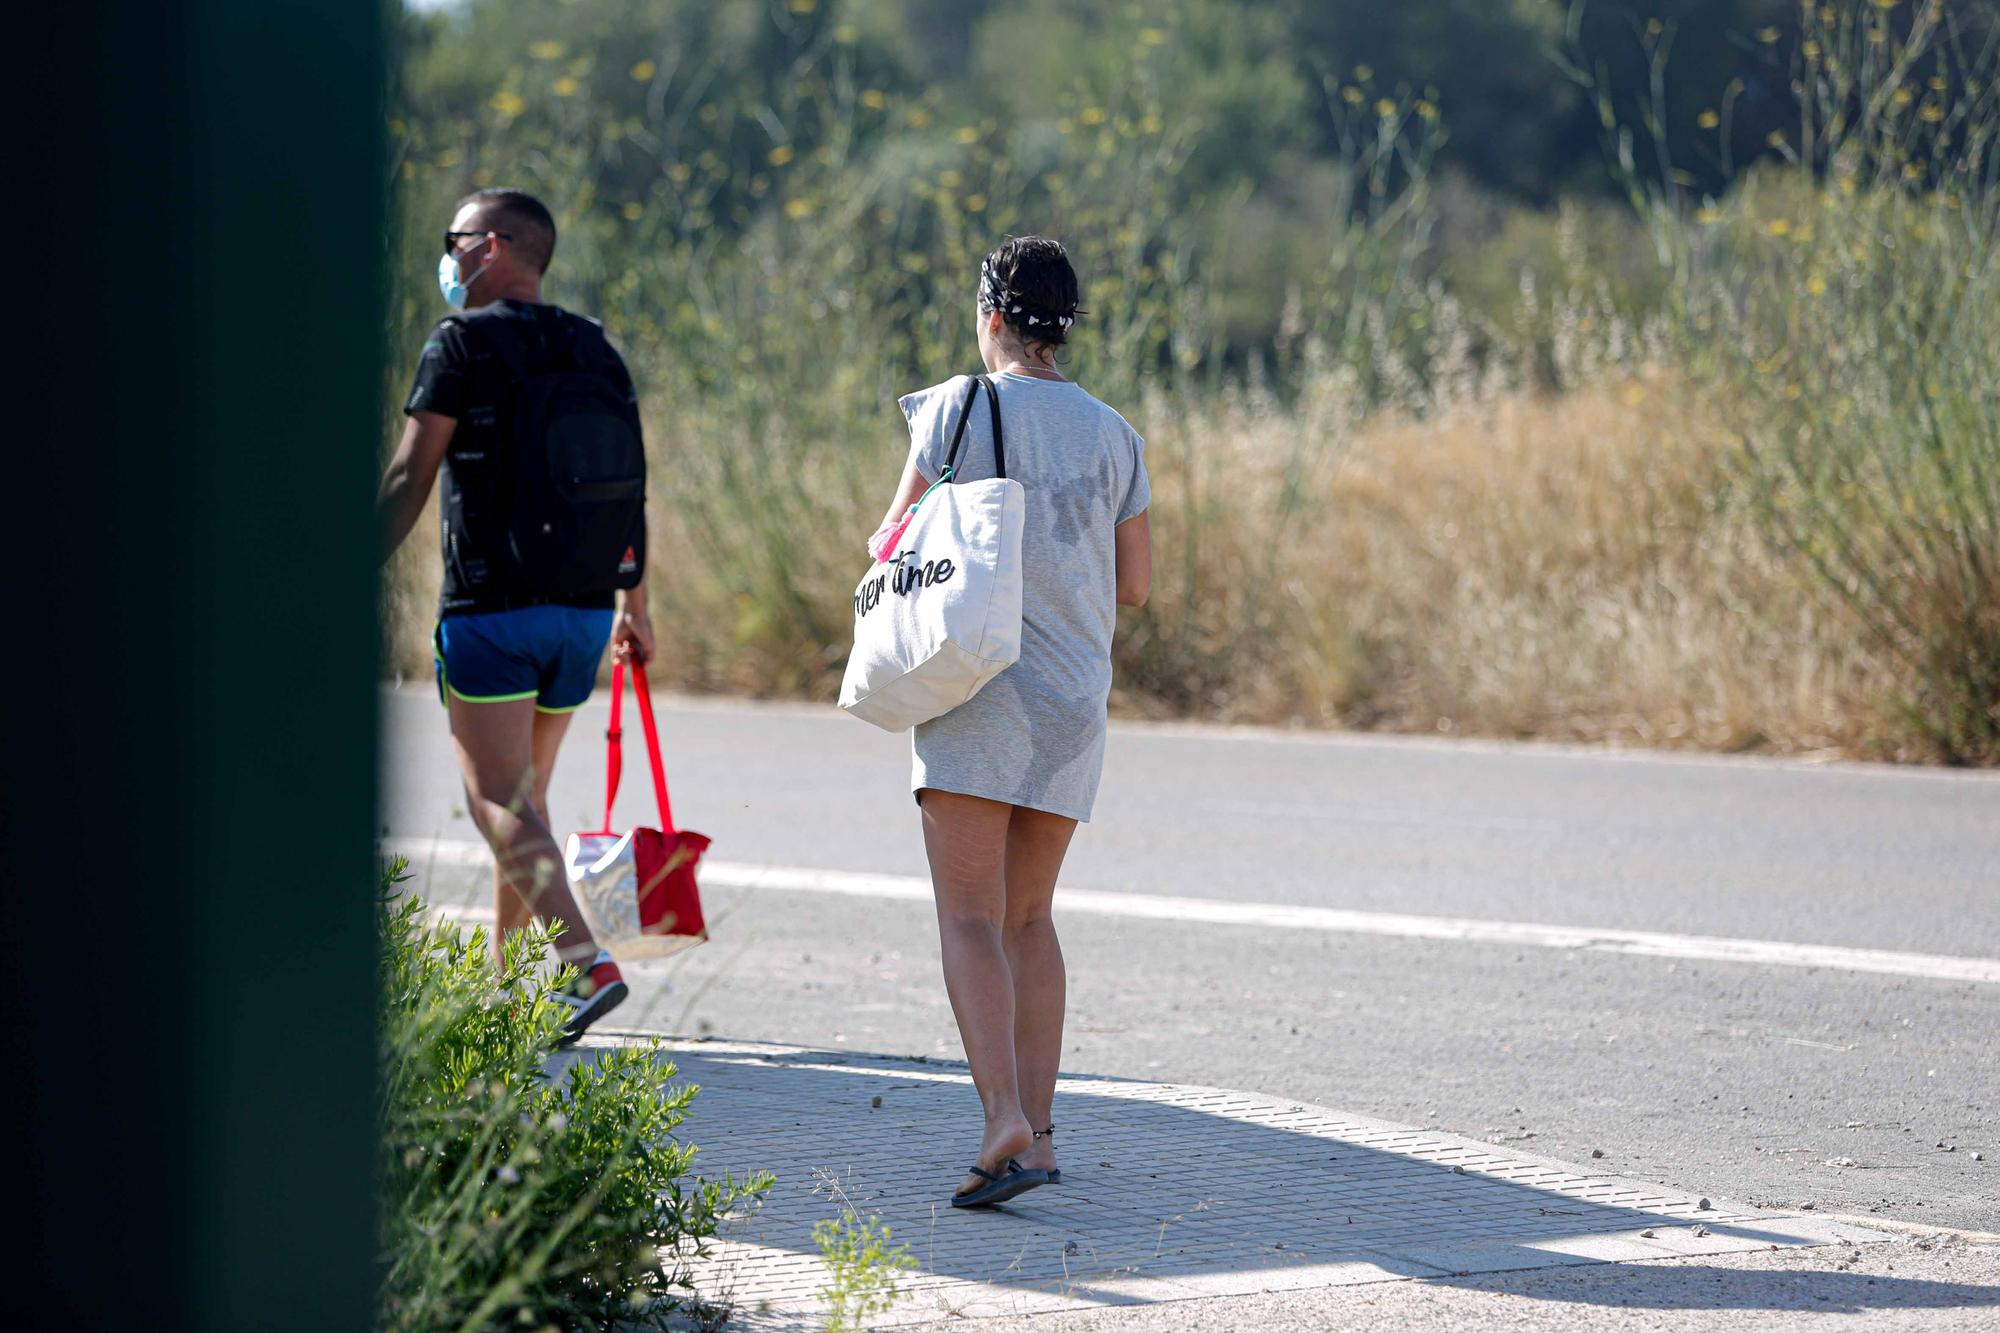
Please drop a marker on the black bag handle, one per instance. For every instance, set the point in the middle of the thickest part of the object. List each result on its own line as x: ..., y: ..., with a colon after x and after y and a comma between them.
x: 965, y: 413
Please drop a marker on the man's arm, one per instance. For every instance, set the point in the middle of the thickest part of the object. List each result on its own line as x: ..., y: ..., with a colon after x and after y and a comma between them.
x: 411, y: 474
x: 632, y: 632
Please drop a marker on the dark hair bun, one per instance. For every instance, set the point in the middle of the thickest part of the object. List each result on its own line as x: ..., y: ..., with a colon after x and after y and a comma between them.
x: 1030, y: 282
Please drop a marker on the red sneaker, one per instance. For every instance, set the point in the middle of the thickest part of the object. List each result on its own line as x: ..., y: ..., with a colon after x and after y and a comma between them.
x: 595, y: 992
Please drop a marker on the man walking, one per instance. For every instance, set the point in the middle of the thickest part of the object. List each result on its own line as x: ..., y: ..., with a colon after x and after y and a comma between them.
x: 532, y: 417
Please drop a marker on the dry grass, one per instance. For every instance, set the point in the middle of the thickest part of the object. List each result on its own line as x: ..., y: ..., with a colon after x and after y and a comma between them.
x: 1574, y: 567
x: 1568, y: 568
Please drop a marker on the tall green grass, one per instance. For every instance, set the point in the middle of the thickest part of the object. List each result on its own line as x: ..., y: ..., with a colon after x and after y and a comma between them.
x: 1843, y: 306
x: 1824, y: 337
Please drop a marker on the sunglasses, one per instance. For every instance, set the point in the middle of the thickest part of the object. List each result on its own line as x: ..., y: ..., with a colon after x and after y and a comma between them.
x: 451, y: 238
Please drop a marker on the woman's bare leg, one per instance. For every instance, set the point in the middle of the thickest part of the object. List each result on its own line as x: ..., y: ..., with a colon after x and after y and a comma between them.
x: 1036, y: 844
x: 966, y: 838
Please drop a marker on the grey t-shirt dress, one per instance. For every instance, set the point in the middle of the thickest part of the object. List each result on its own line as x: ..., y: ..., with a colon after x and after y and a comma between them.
x: 1035, y: 735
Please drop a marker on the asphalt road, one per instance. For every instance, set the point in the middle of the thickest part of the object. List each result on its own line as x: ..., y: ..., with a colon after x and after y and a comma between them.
x: 1771, y: 1085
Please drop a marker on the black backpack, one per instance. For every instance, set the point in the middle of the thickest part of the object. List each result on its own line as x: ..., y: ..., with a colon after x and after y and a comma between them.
x: 575, y: 519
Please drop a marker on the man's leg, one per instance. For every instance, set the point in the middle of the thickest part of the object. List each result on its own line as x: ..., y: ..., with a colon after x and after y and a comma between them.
x: 510, y: 911
x: 495, y: 743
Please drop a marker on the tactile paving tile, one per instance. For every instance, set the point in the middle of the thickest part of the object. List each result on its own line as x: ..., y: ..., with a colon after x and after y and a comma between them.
x: 1168, y: 1193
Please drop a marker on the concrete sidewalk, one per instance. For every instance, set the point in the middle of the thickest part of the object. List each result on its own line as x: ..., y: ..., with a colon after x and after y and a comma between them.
x: 1199, y: 1207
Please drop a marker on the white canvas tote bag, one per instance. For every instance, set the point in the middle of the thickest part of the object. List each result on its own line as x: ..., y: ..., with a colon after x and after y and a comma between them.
x: 940, y: 615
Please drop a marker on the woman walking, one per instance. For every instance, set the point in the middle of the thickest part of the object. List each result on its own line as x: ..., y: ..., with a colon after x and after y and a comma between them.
x: 1003, y: 779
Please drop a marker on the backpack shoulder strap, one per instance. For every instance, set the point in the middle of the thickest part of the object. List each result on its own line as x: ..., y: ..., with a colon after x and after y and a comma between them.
x: 493, y: 332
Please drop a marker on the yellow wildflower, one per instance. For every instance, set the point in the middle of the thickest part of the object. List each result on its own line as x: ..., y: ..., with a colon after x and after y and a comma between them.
x: 508, y: 103
x: 633, y: 212
x: 798, y: 209
x: 966, y: 134
x: 1091, y: 115
x: 780, y: 155
x: 565, y: 86
x: 1778, y: 227
x: 1153, y: 36
x: 873, y: 98
x: 1708, y: 120
x: 1816, y: 285
x: 644, y: 70
x: 1767, y: 35
x: 1385, y: 109
x: 975, y: 203
x: 546, y: 50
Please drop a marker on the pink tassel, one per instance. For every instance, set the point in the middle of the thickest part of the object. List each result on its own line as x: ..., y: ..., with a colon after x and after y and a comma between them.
x: 883, y: 544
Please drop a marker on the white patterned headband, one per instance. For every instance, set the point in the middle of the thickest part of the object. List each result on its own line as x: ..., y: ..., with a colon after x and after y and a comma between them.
x: 994, y: 295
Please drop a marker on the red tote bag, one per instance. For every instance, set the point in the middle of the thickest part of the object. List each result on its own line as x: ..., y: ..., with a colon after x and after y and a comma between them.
x: 637, y: 889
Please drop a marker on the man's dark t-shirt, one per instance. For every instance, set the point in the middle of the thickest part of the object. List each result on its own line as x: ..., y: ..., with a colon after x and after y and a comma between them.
x: 458, y: 376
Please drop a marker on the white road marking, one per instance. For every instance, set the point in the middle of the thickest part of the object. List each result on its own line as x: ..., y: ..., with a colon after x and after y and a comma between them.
x: 1282, y: 916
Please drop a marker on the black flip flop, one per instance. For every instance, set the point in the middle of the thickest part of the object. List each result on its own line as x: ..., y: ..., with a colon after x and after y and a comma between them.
x: 999, y: 1188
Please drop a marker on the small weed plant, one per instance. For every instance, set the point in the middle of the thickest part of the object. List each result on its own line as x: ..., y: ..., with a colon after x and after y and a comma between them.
x: 513, y: 1196
x: 862, y: 1264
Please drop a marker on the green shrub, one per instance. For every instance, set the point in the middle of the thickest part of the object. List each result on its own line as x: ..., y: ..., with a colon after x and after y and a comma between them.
x: 510, y: 1196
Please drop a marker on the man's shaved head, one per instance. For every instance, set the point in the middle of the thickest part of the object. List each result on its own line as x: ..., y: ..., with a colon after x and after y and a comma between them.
x: 521, y: 216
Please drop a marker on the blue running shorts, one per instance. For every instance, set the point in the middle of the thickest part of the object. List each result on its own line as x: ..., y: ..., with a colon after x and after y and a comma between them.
x: 545, y: 653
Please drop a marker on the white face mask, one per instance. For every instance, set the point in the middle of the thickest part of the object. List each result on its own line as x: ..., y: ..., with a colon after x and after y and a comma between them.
x: 454, y: 288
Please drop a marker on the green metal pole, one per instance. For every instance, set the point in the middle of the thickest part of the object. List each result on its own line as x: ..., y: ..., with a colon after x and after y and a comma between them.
x: 197, y: 214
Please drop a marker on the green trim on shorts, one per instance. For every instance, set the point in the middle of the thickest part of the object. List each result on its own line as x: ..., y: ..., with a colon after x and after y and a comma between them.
x: 487, y: 698
x: 544, y: 708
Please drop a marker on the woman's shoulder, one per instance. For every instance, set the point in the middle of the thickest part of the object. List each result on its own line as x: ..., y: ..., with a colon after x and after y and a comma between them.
x: 1109, y: 418
x: 920, y: 400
